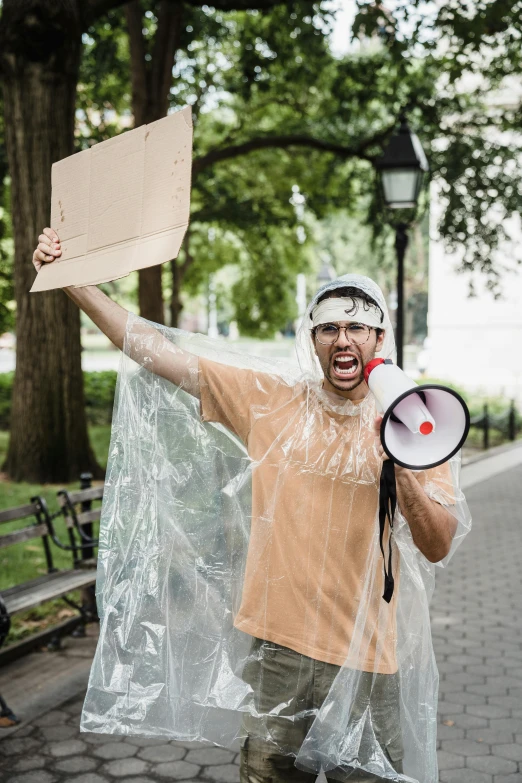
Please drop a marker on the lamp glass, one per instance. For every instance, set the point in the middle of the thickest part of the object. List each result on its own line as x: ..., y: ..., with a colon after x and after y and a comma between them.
x: 401, y: 186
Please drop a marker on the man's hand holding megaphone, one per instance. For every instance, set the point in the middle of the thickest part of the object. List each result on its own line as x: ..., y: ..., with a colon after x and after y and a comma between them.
x: 379, y: 447
x: 421, y: 427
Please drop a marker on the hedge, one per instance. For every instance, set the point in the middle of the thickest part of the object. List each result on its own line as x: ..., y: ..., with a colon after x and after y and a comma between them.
x: 100, y: 386
x: 99, y: 396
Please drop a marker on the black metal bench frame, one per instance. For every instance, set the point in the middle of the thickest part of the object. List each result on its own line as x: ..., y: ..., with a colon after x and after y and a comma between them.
x: 56, y: 583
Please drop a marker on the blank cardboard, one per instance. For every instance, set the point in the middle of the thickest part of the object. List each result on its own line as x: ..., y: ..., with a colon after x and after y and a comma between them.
x: 121, y: 205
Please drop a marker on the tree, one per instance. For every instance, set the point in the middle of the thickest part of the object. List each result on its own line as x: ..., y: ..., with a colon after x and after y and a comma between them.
x: 256, y: 71
x: 162, y: 37
x: 281, y: 90
x: 40, y: 47
x: 456, y: 62
x: 272, y: 108
x: 40, y: 53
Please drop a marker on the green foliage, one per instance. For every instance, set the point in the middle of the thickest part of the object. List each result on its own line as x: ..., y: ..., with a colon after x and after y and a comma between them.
x: 464, y: 394
x: 99, y: 397
x: 498, y: 405
x: 273, y: 108
x: 498, y: 413
x: 272, y: 276
x: 348, y: 243
x: 100, y: 438
x: 104, y: 93
x: 280, y: 79
x: 455, y: 61
x: 6, y: 388
x: 99, y: 388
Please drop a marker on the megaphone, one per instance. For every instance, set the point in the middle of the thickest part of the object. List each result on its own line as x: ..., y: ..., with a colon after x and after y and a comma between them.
x: 423, y: 426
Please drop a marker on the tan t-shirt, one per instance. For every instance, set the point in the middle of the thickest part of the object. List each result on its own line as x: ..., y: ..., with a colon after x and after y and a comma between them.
x: 315, y: 483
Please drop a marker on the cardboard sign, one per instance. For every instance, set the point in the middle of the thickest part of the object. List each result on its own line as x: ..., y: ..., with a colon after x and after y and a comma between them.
x: 121, y: 205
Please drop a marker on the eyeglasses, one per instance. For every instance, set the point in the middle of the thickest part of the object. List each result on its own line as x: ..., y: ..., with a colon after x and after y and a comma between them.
x: 356, y: 333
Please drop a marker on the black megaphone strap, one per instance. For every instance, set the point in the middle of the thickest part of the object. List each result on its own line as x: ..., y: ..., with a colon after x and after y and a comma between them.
x: 387, y: 506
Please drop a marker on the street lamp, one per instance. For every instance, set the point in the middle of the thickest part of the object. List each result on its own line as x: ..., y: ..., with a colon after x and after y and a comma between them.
x: 401, y: 169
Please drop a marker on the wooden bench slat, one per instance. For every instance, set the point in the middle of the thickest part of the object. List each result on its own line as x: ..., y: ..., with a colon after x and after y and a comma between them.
x: 31, y: 594
x: 89, y: 516
x: 83, y: 519
x: 25, y: 534
x: 82, y: 495
x: 91, y: 563
x: 20, y: 512
x: 32, y: 583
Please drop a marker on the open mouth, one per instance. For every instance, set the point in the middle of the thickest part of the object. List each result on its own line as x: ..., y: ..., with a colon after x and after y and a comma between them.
x: 345, y: 366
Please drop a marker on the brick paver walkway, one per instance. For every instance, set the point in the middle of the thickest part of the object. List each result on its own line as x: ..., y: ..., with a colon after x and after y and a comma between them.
x: 477, y: 634
x: 476, y: 620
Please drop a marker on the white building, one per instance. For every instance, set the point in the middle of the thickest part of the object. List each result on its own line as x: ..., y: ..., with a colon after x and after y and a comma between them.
x: 475, y: 342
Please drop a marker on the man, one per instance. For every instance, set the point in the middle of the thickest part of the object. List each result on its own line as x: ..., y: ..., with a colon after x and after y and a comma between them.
x: 312, y: 589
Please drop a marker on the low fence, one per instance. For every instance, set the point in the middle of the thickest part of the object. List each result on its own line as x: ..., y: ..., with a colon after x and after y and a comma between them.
x: 505, y: 423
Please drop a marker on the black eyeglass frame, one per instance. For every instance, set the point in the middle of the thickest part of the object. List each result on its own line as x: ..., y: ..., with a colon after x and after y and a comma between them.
x: 357, y: 323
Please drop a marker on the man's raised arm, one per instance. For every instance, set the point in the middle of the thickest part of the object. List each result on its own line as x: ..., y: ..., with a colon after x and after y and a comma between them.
x: 149, y: 349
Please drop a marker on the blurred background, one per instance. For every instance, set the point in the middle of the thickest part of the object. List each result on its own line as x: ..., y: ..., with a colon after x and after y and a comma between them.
x: 297, y: 110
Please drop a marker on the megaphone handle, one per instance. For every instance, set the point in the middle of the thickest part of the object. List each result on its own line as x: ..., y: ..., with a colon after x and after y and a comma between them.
x: 387, y: 506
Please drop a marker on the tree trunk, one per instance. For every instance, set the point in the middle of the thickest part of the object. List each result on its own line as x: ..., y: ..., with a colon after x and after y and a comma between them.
x: 151, y: 82
x: 179, y: 270
x: 176, y: 305
x: 150, y: 294
x: 40, y: 47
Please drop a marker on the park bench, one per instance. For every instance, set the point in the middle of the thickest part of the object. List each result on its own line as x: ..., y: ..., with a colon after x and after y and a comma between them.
x: 79, y: 516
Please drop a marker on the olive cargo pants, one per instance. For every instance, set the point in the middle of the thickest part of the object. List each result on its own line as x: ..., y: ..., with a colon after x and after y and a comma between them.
x: 296, y: 683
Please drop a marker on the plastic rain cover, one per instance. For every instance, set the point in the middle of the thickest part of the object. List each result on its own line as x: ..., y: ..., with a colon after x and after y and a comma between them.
x: 240, y: 575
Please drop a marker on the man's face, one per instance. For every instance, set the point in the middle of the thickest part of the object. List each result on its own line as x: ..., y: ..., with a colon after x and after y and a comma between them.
x: 344, y: 361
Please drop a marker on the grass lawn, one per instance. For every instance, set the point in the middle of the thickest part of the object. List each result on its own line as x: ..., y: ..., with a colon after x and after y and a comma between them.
x: 22, y: 562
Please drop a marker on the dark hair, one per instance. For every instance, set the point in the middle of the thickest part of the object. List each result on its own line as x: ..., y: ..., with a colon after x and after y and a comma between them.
x: 350, y: 292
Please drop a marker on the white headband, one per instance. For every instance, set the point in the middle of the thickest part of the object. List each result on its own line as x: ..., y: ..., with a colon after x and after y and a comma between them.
x: 346, y: 309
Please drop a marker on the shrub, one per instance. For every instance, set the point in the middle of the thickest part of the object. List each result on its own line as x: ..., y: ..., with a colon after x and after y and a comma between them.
x: 99, y: 396
x: 6, y: 386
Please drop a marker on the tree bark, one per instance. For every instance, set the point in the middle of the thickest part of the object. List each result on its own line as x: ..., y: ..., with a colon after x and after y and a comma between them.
x: 151, y: 83
x: 150, y: 294
x: 179, y: 270
x: 40, y: 46
x: 176, y: 305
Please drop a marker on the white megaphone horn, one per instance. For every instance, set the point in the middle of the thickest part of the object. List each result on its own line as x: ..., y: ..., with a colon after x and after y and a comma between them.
x: 423, y: 426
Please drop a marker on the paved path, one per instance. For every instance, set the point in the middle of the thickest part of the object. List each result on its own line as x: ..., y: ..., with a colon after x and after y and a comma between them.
x: 477, y: 633
x: 477, y: 628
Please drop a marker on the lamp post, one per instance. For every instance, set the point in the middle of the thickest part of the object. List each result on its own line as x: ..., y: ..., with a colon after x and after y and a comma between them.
x: 401, y: 169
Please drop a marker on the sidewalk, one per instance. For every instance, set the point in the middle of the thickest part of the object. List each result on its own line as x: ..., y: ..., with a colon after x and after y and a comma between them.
x: 477, y: 632
x: 477, y: 635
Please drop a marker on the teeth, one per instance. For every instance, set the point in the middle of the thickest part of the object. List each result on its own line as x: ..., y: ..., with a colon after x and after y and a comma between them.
x: 345, y: 370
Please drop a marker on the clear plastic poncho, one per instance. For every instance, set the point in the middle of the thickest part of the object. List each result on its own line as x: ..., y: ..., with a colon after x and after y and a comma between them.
x: 240, y: 574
